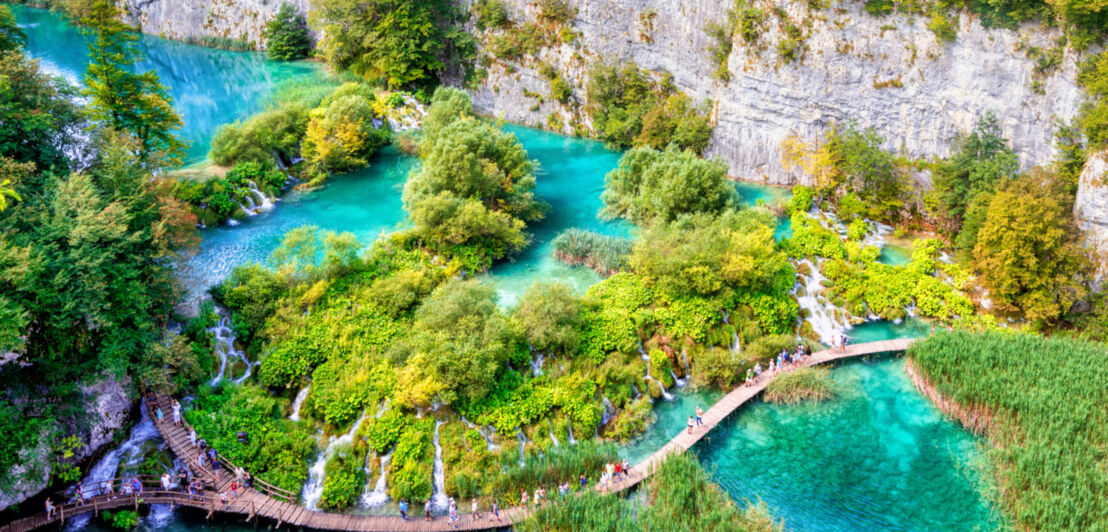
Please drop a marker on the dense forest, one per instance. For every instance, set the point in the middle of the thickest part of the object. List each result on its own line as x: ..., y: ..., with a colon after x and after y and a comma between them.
x: 404, y: 343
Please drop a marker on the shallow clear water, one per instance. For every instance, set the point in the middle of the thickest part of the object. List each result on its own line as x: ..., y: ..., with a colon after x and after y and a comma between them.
x: 209, y: 87
x: 878, y: 457
x: 672, y: 418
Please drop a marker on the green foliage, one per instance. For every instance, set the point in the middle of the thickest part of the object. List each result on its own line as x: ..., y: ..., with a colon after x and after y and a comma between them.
x: 122, y: 519
x: 121, y: 99
x: 340, y: 135
x: 23, y: 432
x: 275, y: 131
x: 344, y: 478
x: 661, y: 186
x: 1040, y: 402
x: 38, y: 118
x: 491, y: 14
x: 11, y: 37
x: 286, y: 36
x: 801, y: 200
x: 603, y: 253
x: 870, y: 172
x: 1093, y: 118
x: 395, y: 42
x: 276, y: 451
x: 411, y: 464
x: 561, y: 464
x: 1026, y: 251
x: 551, y: 318
x: 560, y: 90
x: 628, y: 108
x: 804, y: 384
x: 474, y: 192
x: 681, y: 497
x: 945, y: 31
x: 216, y: 200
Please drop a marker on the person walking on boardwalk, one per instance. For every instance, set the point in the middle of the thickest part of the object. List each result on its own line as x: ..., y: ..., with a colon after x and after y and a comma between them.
x: 454, y: 516
x: 79, y: 494
x: 403, y: 509
x: 176, y: 413
x: 475, y: 511
x: 106, y: 488
x: 584, y: 481
x: 495, y: 509
x: 699, y: 416
x: 618, y: 468
x: 626, y: 468
x: 213, y: 457
x: 691, y: 421
x: 49, y: 509
x: 523, y: 500
x: 427, y: 510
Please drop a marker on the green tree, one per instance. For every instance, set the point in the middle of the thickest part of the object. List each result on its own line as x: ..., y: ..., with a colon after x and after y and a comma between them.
x: 448, y: 104
x: 11, y: 37
x: 340, y: 135
x: 394, y: 42
x: 275, y: 131
x: 1026, y: 254
x: 38, y: 119
x: 121, y: 99
x: 459, y: 341
x: 286, y: 36
x: 870, y: 171
x: 657, y: 185
x: 551, y: 316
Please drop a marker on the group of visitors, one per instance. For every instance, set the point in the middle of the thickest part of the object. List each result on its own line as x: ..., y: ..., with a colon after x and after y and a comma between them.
x: 613, y: 472
x: 838, y: 342
x: 494, y: 511
x: 784, y: 360
x: 695, y: 420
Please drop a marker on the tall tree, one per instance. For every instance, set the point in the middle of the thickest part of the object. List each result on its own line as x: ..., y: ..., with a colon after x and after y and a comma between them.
x: 38, y: 119
x: 11, y: 37
x: 121, y: 99
x: 286, y: 36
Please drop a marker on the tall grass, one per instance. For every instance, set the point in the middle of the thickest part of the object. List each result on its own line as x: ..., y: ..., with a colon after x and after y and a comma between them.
x: 1047, y: 406
x: 221, y: 43
x: 679, y: 496
x: 804, y: 384
x: 565, y: 463
x: 603, y: 253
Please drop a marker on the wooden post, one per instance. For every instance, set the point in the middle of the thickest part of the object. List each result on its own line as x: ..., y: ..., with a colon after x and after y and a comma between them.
x: 95, y: 509
x: 61, y: 507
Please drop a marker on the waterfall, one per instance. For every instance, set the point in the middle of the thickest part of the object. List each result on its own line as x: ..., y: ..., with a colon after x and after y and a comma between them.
x: 736, y: 344
x: 676, y: 381
x: 407, y: 116
x: 553, y: 438
x: 522, y: 442
x: 569, y: 427
x: 665, y: 395
x: 638, y: 394
x: 379, y: 495
x: 264, y: 202
x: 313, y: 487
x: 536, y: 364
x: 488, y: 439
x: 225, y: 349
x: 439, y: 500
x: 609, y: 411
x: 296, y: 403
x: 821, y: 313
x: 129, y: 453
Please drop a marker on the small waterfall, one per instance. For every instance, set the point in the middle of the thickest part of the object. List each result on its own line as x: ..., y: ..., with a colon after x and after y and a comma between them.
x: 522, y: 442
x: 407, y: 116
x: 676, y: 381
x: 635, y: 389
x: 439, y: 500
x: 569, y: 427
x: 484, y: 434
x: 129, y: 453
x: 609, y: 411
x: 296, y: 403
x: 648, y: 378
x: 225, y: 349
x: 536, y: 364
x: 821, y: 313
x: 736, y: 345
x: 264, y: 202
x: 553, y: 438
x: 379, y: 495
x: 313, y: 488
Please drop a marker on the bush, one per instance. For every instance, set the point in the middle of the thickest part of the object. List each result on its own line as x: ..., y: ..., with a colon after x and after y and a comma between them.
x: 286, y: 36
x: 603, y: 253
x: 491, y: 14
x: 275, y: 131
x: 341, y: 135
x: 551, y: 318
x: 652, y: 185
x: 804, y: 384
x: 344, y: 478
x: 943, y: 28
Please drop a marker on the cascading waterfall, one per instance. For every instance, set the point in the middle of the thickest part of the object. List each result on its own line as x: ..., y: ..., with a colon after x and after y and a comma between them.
x: 379, y: 495
x: 313, y: 487
x: 484, y: 433
x: 129, y: 453
x: 225, y: 349
x: 439, y: 500
x: 678, y: 382
x: 522, y: 442
x: 827, y: 320
x: 553, y: 438
x: 609, y: 411
x: 569, y: 427
x: 635, y: 389
x: 536, y: 364
x: 256, y: 200
x: 648, y: 378
x: 298, y: 402
x: 407, y: 116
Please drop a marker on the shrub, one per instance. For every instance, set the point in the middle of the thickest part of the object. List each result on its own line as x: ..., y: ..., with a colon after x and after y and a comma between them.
x: 942, y: 27
x: 344, y: 478
x: 491, y: 14
x: 804, y: 384
x: 603, y: 253
x: 286, y: 36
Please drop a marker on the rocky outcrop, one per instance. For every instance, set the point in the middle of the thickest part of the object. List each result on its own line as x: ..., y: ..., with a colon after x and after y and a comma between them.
x: 191, y: 19
x: 890, y: 73
x: 108, y: 406
x: 1090, y: 209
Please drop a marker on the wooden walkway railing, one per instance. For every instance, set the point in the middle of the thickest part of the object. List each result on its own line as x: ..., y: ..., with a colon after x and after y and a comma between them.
x: 271, y: 502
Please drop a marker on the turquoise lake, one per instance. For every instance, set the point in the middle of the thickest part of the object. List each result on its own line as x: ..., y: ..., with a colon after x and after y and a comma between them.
x: 878, y: 457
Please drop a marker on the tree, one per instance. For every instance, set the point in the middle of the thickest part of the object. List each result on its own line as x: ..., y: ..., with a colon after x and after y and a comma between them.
x: 551, y: 316
x: 276, y: 131
x: 980, y: 161
x: 395, y: 42
x: 11, y: 37
x: 448, y: 104
x: 340, y: 135
x: 657, y: 185
x: 870, y: 171
x: 121, y: 99
x: 1025, y: 251
x: 459, y: 341
x: 38, y: 119
x: 286, y: 36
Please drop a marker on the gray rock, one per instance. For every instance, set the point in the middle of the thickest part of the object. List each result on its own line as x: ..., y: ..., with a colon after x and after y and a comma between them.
x: 1090, y: 209
x: 182, y: 19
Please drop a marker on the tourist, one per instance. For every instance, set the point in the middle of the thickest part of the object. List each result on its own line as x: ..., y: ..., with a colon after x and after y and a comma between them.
x: 234, y: 489
x: 136, y: 486
x: 49, y: 509
x: 626, y: 467
x: 757, y: 369
x: 166, y: 482
x: 79, y: 494
x: 200, y: 460
x: 691, y: 422
x: 610, y: 469
x: 523, y: 499
x: 427, y: 510
x: 158, y: 414
x: 182, y: 479
x: 213, y: 457
x: 192, y: 438
x: 495, y: 510
x: 223, y: 497
x: 403, y: 509
x: 618, y: 471
x: 771, y: 368
x: 699, y: 416
x: 106, y: 489
x: 125, y: 489
x: 176, y: 413
x: 584, y: 482
x: 562, y: 489
x: 453, y: 516
x: 536, y: 497
x: 475, y: 511
x: 240, y: 475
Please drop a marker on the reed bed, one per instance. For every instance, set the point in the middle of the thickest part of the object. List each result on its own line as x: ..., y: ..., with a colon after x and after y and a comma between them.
x: 679, y: 496
x: 604, y: 254
x: 565, y: 463
x: 1043, y: 403
x: 804, y: 384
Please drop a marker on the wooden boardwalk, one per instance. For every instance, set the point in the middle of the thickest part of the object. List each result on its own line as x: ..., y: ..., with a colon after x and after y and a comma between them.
x: 281, y: 506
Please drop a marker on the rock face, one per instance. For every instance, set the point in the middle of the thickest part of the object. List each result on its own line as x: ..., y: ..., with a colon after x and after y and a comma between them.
x: 1090, y: 209
x: 108, y: 406
x: 185, y: 19
x: 889, y: 72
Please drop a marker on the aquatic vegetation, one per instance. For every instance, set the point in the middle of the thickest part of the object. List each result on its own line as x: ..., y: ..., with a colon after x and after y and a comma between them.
x: 560, y: 464
x: 804, y: 384
x: 344, y: 479
x: 603, y: 253
x: 1040, y: 401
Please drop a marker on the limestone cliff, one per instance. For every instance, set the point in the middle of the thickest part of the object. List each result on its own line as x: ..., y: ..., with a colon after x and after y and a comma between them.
x: 185, y: 19
x: 890, y: 73
x: 1090, y: 209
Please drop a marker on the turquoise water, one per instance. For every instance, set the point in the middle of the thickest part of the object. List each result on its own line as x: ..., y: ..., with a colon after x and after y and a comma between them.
x: 570, y: 178
x: 209, y: 87
x: 895, y: 255
x: 880, y: 456
x: 671, y: 418
x: 874, y: 331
